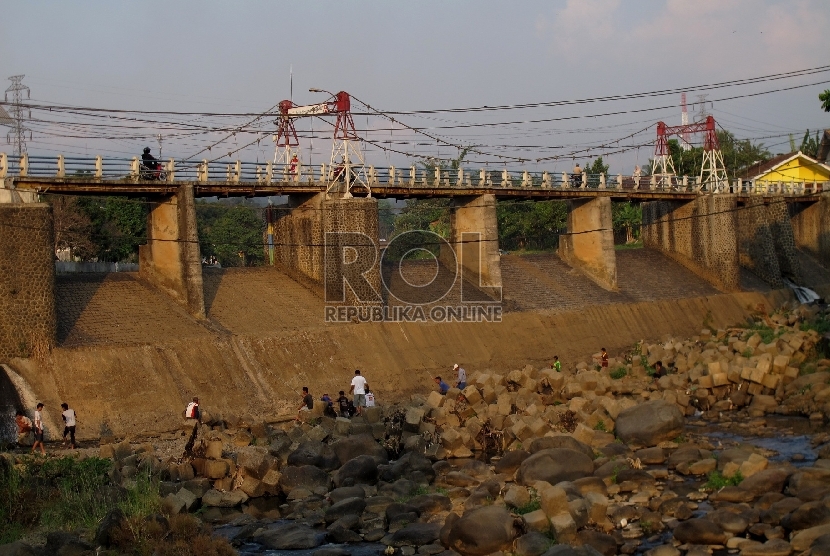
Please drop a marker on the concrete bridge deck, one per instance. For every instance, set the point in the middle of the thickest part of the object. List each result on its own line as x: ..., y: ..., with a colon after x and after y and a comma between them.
x: 120, y: 176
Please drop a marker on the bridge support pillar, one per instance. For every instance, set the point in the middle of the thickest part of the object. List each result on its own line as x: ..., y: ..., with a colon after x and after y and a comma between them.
x: 318, y: 242
x: 766, y: 246
x: 474, y: 238
x: 171, y: 260
x: 28, y: 319
x: 811, y: 227
x: 589, y: 243
x: 702, y: 235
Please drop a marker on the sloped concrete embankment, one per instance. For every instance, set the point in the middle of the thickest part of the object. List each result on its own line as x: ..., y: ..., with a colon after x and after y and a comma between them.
x: 142, y: 389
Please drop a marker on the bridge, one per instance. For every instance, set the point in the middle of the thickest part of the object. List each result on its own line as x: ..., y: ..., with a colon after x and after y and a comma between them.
x: 126, y: 176
x: 713, y: 228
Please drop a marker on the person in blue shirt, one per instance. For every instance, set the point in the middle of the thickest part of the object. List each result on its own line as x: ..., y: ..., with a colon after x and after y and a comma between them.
x: 443, y: 387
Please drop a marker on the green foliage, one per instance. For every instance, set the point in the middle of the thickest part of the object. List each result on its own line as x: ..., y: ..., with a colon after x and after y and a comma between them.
x: 81, y: 498
x: 600, y: 426
x: 596, y: 167
x: 628, y: 217
x: 648, y: 528
x: 820, y: 324
x: 142, y: 498
x: 424, y: 214
x: 386, y: 219
x: 55, y: 493
x: 767, y: 334
x: 708, y: 320
x: 810, y: 145
x: 747, y: 353
x: 233, y: 234
x: 118, y: 225
x: 535, y: 225
x: 615, y: 474
x: 618, y: 373
x: 717, y: 481
x: 825, y: 100
x: 535, y: 503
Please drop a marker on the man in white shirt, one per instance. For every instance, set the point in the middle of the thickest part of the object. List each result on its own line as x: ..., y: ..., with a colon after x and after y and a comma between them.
x: 68, y: 424
x: 358, y: 388
x: 38, y: 429
x: 461, y: 383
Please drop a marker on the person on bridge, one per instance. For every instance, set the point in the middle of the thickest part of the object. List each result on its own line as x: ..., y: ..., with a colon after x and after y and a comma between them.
x: 576, y: 175
x: 150, y: 164
x: 292, y: 168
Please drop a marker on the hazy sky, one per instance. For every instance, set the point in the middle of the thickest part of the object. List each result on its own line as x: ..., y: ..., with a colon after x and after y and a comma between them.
x: 230, y: 57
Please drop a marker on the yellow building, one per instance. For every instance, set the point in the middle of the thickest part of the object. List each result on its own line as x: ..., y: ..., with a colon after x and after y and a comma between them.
x: 794, y: 167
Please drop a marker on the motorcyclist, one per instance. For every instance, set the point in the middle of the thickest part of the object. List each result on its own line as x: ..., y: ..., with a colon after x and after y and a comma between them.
x: 150, y: 164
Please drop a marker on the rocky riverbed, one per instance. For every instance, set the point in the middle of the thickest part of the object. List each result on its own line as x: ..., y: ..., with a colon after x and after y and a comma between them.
x: 727, y: 453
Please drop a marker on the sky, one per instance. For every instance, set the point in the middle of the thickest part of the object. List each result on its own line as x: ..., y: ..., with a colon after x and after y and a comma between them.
x: 237, y: 57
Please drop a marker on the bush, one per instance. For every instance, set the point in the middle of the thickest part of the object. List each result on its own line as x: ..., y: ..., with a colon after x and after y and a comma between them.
x: 618, y: 373
x: 717, y: 481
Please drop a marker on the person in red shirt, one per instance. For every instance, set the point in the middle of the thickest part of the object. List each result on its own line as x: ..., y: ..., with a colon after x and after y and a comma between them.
x: 604, y: 357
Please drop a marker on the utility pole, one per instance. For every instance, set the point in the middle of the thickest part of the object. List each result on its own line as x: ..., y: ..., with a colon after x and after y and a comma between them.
x: 18, y: 133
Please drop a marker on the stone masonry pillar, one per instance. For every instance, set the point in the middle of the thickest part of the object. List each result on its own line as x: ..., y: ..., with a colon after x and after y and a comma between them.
x: 589, y: 244
x: 171, y: 259
x: 474, y: 238
x: 28, y: 320
x: 325, y: 243
x: 702, y: 235
x: 811, y: 227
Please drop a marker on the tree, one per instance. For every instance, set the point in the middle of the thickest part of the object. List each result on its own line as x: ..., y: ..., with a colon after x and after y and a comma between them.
x: 825, y: 100
x: 530, y: 225
x: 233, y: 234
x: 73, y: 228
x: 629, y: 217
x: 810, y: 145
x: 119, y: 226
x: 597, y: 167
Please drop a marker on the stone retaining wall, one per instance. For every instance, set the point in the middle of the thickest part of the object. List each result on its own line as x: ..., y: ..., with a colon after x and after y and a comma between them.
x: 27, y: 280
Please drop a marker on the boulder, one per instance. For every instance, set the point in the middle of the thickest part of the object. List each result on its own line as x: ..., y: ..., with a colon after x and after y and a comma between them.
x: 699, y: 531
x: 416, y: 534
x: 361, y: 470
x: 804, y: 539
x: 18, y: 548
x: 312, y: 452
x: 346, y: 449
x: 773, y: 547
x: 768, y: 480
x: 482, y: 531
x: 431, y: 503
x: 601, y: 542
x: 349, y: 506
x: 307, y: 476
x: 289, y: 536
x: 554, y: 465
x: 562, y: 441
x: 224, y: 499
x: 647, y: 424
x: 342, y: 493
x: 809, y: 484
x: 107, y: 528
x: 807, y: 515
x: 532, y: 544
x: 510, y: 462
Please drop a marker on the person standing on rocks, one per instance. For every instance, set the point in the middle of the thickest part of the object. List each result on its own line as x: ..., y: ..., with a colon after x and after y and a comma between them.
x: 659, y: 370
x: 38, y: 428
x: 24, y: 427
x: 557, y: 366
x: 343, y: 404
x: 307, y: 404
x: 68, y: 425
x: 358, y: 389
x: 603, y: 356
x: 192, y: 411
x: 461, y: 382
x: 443, y: 387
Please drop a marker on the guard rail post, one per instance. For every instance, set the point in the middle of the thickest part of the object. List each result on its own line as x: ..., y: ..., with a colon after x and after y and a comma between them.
x: 61, y: 167
x: 24, y: 165
x: 135, y: 168
x: 171, y: 170
x: 4, y: 165
x: 99, y: 167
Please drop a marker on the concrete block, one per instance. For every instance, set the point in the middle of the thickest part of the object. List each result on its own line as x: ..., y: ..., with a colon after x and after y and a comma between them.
x: 720, y: 379
x: 517, y: 496
x: 780, y: 364
x: 564, y: 527
x: 771, y: 381
x: 755, y: 389
x: 705, y: 381
x: 413, y: 418
x: 746, y: 372
x: 757, y: 375
x: 754, y: 464
x: 215, y: 469
x: 790, y: 374
x: 764, y: 365
x: 714, y: 367
x: 214, y: 449
x: 472, y: 394
x: 536, y: 521
x: 584, y: 434
x: 435, y: 399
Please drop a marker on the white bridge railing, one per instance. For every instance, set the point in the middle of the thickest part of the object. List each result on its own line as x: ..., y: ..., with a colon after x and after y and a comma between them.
x: 237, y: 172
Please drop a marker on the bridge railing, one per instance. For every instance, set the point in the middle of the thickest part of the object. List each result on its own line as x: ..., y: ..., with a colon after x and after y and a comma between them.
x: 131, y: 169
